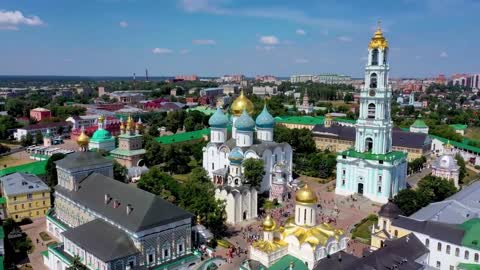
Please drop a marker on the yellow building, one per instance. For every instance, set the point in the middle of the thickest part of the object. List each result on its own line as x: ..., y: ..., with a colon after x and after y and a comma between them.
x: 337, y: 138
x: 384, y: 229
x: 26, y: 195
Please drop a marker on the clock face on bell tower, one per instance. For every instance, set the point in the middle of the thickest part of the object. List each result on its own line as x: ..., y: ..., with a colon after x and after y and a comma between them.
x: 372, y: 93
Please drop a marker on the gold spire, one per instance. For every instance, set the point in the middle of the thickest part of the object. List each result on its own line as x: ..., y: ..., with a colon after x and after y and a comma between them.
x: 242, y: 103
x: 101, y: 118
x: 199, y: 219
x: 378, y: 40
x: 305, y: 195
x: 130, y: 123
x: 268, y: 224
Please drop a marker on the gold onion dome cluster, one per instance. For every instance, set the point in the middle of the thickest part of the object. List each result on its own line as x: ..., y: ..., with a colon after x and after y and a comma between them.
x: 242, y: 103
x: 269, y: 224
x: 130, y: 122
x: 83, y: 139
x: 101, y: 119
x: 378, y: 40
x: 306, y: 195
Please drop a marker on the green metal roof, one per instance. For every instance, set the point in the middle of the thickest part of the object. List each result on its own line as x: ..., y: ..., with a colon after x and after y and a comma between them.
x: 468, y: 266
x: 2, y: 200
x: 284, y: 264
x: 301, y: 120
x: 345, y: 120
x: 44, y: 253
x: 391, y: 156
x: 203, y: 109
x: 471, y: 238
x: 2, y: 233
x: 458, y: 126
x: 2, y: 265
x: 183, y: 137
x: 461, y: 145
x: 128, y: 153
x: 419, y: 123
x: 37, y: 168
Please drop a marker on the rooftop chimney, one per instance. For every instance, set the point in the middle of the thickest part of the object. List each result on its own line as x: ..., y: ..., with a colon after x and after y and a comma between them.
x: 129, y: 209
x: 107, y: 198
x: 116, y: 203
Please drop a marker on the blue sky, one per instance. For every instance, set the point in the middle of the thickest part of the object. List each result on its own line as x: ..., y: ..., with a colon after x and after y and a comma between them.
x: 216, y: 37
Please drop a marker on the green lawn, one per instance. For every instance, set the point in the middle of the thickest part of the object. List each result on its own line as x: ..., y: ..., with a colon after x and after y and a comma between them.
x: 362, y: 230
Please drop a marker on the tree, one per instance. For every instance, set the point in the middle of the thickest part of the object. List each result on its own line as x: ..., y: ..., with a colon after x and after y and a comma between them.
x: 119, y: 172
x: 76, y: 264
x: 159, y: 183
x: 435, y: 188
x: 253, y: 172
x: 7, y: 123
x: 463, y: 168
x: 348, y: 98
x: 407, y: 201
x: 4, y: 149
x: 51, y: 169
x: 38, y: 138
x: 26, y: 140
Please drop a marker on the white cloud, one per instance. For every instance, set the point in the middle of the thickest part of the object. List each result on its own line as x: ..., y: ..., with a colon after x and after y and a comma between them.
x: 161, y: 51
x: 204, y: 42
x: 301, y: 61
x: 184, y: 51
x: 443, y: 54
x: 301, y: 32
x: 344, y: 39
x: 219, y: 7
x: 123, y: 24
x: 269, y: 40
x: 10, y: 20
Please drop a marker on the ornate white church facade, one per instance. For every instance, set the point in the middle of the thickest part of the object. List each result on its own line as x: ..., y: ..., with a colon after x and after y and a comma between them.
x: 372, y: 169
x: 224, y: 154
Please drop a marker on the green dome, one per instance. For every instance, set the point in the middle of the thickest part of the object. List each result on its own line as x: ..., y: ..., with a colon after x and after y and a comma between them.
x: 101, y: 135
x: 245, y: 122
x: 265, y: 119
x: 218, y: 119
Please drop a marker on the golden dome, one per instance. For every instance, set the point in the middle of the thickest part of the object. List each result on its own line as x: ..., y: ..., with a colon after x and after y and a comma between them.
x: 269, y: 224
x: 101, y: 119
x: 241, y: 103
x: 305, y: 195
x: 328, y: 116
x: 83, y: 139
x: 378, y: 40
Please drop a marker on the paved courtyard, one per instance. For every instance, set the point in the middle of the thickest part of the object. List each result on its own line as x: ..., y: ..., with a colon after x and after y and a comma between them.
x: 341, y: 212
x: 33, y: 231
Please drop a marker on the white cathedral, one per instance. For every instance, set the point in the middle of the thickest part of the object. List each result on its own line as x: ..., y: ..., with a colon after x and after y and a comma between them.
x: 224, y: 154
x: 372, y: 169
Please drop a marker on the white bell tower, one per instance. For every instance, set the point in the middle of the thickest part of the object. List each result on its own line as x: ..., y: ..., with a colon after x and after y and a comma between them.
x: 374, y: 125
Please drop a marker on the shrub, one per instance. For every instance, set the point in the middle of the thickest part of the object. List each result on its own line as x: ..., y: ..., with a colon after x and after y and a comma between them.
x: 45, y: 236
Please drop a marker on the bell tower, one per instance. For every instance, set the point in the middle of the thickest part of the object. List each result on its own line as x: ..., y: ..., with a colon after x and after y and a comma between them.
x: 374, y: 125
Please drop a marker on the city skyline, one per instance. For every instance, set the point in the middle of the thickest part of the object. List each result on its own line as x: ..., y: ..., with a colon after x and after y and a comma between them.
x: 217, y: 37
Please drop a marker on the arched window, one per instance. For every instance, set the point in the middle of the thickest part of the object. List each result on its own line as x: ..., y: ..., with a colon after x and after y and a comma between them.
x: 396, y: 233
x: 439, y: 246
x: 457, y: 252
x: 375, y: 57
x: 467, y: 254
x: 385, y: 52
x: 448, y: 249
x: 475, y: 257
x: 368, y: 144
x: 371, y: 111
x: 427, y: 242
x: 373, y: 80
x: 305, y: 216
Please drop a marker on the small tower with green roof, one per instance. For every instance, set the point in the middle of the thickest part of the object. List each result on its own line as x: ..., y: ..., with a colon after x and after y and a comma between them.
x: 419, y: 126
x: 101, y: 138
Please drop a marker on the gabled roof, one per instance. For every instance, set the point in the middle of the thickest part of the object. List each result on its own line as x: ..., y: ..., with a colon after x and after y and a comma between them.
x: 22, y: 183
x: 438, y: 230
x: 148, y: 211
x: 98, y: 237
x: 82, y: 159
x: 398, y: 254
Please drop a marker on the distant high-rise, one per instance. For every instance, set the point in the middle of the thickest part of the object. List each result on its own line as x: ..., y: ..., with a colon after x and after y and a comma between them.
x: 146, y: 74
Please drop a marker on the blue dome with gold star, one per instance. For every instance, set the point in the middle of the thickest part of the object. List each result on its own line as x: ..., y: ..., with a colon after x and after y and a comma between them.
x: 218, y: 119
x: 245, y: 122
x: 265, y: 119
